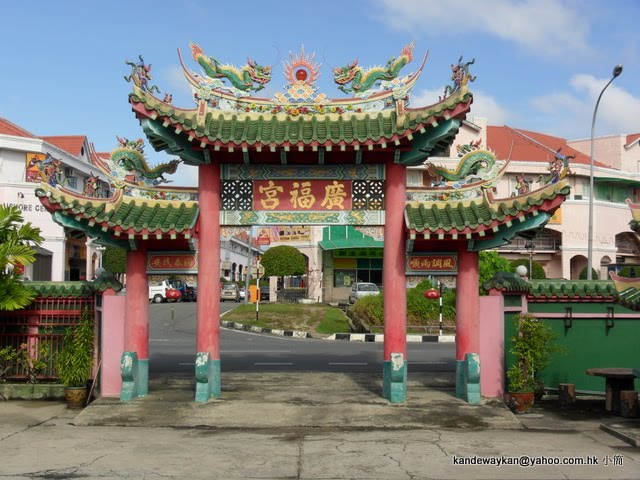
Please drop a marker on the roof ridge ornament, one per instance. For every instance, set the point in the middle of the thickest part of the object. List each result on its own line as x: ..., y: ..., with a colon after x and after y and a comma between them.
x: 140, y: 75
x: 461, y: 76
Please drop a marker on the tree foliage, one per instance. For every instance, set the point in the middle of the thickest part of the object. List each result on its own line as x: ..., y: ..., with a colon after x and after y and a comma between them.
x: 283, y: 260
x: 114, y: 259
x: 594, y: 274
x: 538, y: 272
x: 420, y: 310
x: 489, y: 263
x: 17, y: 240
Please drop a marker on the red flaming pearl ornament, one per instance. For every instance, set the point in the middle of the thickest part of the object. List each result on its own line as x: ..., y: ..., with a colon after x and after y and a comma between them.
x: 301, y: 74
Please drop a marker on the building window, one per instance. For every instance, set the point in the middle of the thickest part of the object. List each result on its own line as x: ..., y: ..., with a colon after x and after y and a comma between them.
x: 414, y: 178
x: 344, y: 278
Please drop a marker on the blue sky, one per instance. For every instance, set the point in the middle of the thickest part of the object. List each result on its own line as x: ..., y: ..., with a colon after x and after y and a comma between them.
x: 540, y: 64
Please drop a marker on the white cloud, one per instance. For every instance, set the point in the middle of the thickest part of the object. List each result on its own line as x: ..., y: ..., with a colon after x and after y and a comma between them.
x: 178, y: 85
x: 548, y: 28
x: 570, y: 114
x: 483, y: 105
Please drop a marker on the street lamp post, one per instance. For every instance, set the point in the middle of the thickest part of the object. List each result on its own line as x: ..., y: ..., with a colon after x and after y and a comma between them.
x: 616, y: 72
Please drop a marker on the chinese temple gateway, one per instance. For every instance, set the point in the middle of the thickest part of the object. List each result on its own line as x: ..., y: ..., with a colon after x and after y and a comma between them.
x: 301, y: 158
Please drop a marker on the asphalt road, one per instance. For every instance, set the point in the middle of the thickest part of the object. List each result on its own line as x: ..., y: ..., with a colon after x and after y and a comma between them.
x: 172, y: 349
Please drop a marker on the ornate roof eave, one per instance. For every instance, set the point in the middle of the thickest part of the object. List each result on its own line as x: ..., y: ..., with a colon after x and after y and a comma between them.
x: 121, y: 220
x: 192, y: 134
x: 485, y: 222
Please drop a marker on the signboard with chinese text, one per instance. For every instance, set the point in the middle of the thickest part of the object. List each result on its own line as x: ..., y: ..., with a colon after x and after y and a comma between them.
x: 302, y: 195
x: 172, y: 262
x: 370, y: 252
x: 432, y: 263
x: 306, y: 195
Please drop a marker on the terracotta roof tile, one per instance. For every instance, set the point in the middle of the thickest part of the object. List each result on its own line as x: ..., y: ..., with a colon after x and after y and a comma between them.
x: 69, y: 143
x: 632, y: 138
x: 8, y: 128
x: 517, y: 144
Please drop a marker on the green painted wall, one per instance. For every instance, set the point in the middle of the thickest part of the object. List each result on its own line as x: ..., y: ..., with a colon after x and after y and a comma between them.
x: 588, y: 344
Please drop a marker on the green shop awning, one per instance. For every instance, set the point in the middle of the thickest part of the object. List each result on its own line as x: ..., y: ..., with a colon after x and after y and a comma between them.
x: 337, y: 237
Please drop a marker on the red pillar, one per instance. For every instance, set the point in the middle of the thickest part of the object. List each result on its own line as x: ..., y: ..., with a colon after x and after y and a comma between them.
x: 135, y: 368
x: 395, y: 291
x: 208, y: 310
x: 394, y: 373
x: 136, y: 330
x: 467, y: 304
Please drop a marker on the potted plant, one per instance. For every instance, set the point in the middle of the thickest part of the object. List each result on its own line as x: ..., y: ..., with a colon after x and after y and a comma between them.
x: 531, y: 345
x: 74, y: 362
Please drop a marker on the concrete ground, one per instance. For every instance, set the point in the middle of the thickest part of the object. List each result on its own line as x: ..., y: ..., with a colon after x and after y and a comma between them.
x: 312, y: 426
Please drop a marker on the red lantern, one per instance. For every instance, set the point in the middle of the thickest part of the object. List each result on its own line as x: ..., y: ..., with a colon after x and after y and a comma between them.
x: 172, y: 294
x: 432, y: 294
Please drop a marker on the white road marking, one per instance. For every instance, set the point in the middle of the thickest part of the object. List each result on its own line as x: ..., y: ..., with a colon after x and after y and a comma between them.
x: 255, y: 351
x: 428, y: 363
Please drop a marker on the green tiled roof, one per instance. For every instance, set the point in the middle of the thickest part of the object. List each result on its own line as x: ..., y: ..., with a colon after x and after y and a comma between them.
x: 630, y: 298
x: 484, y: 213
x: 106, y: 280
x: 507, y: 282
x: 62, y: 289
x: 572, y: 289
x: 125, y: 215
x: 251, y: 129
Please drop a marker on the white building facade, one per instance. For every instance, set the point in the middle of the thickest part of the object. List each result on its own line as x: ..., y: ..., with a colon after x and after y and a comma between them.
x: 65, y: 254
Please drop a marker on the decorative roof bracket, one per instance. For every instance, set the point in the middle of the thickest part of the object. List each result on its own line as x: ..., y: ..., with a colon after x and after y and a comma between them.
x: 173, y: 143
x: 424, y: 145
x: 94, y: 232
x: 504, y: 234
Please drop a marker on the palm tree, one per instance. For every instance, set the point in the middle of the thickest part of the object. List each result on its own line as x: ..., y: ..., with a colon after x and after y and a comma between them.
x: 17, y: 240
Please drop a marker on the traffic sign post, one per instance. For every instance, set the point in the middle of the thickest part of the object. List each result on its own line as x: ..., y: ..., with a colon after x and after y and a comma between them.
x: 259, y: 274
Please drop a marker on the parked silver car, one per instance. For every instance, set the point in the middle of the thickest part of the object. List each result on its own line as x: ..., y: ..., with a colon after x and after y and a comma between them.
x: 362, y: 289
x: 230, y: 291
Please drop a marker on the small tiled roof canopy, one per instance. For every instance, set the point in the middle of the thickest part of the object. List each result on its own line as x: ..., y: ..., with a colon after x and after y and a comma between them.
x: 486, y: 221
x: 120, y: 219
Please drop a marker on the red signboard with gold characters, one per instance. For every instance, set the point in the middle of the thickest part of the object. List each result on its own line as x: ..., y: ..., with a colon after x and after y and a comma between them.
x: 172, y: 262
x: 434, y: 263
x: 315, y: 195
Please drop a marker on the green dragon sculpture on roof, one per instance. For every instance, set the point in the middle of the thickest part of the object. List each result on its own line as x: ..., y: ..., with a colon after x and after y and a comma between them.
x: 362, y: 80
x: 130, y: 156
x: 251, y: 77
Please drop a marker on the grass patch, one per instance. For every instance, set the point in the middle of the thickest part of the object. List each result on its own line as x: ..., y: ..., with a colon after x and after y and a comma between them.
x: 316, y: 318
x: 334, y: 321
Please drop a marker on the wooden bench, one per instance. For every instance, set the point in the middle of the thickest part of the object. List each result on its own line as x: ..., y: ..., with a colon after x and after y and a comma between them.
x: 617, y: 380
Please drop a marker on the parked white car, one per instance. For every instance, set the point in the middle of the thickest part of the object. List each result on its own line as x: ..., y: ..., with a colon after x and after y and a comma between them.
x: 362, y: 289
x: 157, y: 291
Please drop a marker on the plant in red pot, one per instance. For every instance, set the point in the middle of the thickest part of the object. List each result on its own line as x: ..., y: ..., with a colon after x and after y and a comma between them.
x: 74, y: 362
x: 531, y: 345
